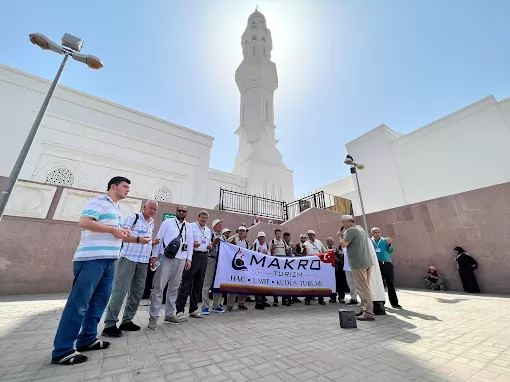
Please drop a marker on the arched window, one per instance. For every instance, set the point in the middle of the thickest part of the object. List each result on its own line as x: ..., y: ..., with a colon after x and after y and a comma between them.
x: 61, y: 176
x: 163, y: 194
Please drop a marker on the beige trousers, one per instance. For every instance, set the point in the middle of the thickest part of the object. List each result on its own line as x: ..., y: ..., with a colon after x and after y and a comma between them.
x: 362, y: 281
x: 208, y: 280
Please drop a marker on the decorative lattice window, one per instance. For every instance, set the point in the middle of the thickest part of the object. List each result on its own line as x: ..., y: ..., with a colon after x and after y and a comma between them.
x: 163, y: 194
x: 61, y: 176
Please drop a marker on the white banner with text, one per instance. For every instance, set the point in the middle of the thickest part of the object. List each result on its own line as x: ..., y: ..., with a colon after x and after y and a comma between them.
x: 242, y: 271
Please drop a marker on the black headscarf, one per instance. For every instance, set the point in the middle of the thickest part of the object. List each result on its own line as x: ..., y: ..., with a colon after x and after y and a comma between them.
x: 459, y: 250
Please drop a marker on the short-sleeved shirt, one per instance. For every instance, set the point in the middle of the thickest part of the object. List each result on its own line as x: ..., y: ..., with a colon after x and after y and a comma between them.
x: 359, y: 250
x: 314, y: 247
x: 202, y: 235
x: 137, y: 252
x: 100, y: 245
x: 280, y: 248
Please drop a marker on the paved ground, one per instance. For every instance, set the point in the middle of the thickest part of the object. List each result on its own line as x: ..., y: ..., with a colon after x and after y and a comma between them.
x: 439, y: 337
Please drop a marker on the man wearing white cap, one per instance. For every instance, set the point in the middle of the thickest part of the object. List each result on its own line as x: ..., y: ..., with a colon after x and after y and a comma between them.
x: 261, y: 246
x: 360, y: 259
x: 216, y: 237
x: 226, y: 233
x: 314, y: 246
x: 241, y: 241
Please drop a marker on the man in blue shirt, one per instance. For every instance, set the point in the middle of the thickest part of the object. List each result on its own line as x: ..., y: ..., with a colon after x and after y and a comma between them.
x: 384, y: 250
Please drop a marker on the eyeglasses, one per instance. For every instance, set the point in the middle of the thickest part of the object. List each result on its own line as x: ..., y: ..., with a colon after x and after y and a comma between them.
x: 183, y: 211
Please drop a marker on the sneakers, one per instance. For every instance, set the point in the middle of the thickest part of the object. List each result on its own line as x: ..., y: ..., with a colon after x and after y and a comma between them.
x: 153, y: 324
x: 241, y: 307
x: 196, y: 314
x: 353, y: 303
x: 205, y: 311
x: 230, y: 308
x: 129, y: 327
x: 219, y: 309
x: 112, y: 332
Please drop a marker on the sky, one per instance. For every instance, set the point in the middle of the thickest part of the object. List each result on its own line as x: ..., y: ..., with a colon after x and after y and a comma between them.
x: 344, y: 66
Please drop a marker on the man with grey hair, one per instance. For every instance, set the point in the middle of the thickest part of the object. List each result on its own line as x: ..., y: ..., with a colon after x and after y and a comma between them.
x: 360, y: 259
x: 131, y: 271
x: 193, y: 279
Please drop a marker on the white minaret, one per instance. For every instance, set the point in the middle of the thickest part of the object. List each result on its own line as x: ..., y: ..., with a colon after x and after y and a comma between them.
x: 258, y: 159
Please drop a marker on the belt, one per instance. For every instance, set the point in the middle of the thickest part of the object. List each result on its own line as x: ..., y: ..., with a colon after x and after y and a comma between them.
x: 201, y: 251
x: 384, y: 262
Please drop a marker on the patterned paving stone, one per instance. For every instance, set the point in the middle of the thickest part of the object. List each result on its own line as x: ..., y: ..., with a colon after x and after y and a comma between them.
x: 438, y: 337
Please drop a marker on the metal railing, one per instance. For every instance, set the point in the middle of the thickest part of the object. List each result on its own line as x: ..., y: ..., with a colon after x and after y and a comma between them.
x: 251, y: 204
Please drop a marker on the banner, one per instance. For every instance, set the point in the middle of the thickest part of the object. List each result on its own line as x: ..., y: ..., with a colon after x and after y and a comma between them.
x: 242, y: 271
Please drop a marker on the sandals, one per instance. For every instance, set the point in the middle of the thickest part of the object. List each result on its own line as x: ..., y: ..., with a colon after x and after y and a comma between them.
x: 95, y: 345
x: 70, y: 359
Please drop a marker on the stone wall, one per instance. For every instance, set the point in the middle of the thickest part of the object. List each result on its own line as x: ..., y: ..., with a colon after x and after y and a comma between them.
x: 425, y: 234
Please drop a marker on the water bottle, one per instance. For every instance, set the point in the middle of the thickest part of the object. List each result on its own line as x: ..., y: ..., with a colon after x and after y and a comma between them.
x: 156, y: 265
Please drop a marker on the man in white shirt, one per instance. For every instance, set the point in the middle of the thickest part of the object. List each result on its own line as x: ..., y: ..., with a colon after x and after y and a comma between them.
x: 216, y: 237
x: 170, y: 269
x: 314, y: 246
x: 193, y: 279
x: 260, y: 246
x: 241, y: 241
x: 279, y: 248
x: 131, y: 272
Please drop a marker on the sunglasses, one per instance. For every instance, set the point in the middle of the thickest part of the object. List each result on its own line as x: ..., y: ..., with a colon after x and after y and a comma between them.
x: 183, y: 211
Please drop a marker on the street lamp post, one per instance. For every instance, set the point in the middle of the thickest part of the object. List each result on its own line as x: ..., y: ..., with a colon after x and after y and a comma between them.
x: 349, y: 161
x: 70, y: 47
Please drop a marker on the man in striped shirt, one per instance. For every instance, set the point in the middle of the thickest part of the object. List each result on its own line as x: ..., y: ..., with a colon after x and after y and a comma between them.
x: 94, y: 269
x: 131, y: 272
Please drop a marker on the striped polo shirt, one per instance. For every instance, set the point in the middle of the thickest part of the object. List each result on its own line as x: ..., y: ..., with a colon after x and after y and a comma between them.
x: 97, y: 245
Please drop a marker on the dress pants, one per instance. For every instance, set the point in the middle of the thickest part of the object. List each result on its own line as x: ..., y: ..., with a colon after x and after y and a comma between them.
x: 389, y: 278
x: 192, y: 283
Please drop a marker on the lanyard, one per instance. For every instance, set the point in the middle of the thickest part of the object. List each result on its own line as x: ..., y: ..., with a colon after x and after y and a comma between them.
x: 202, y: 230
x: 180, y: 229
x: 376, y: 243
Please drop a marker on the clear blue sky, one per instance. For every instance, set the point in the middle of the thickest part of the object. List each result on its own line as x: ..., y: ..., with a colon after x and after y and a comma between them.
x: 345, y: 66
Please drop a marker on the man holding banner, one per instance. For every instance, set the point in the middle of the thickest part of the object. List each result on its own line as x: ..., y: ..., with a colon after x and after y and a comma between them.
x: 314, y: 246
x: 242, y: 271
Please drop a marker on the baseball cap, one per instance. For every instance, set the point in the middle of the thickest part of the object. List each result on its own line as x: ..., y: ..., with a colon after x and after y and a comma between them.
x: 261, y: 234
x: 225, y: 230
x: 242, y: 228
x: 311, y: 231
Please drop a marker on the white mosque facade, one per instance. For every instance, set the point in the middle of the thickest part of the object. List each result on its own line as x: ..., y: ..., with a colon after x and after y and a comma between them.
x: 463, y: 151
x: 83, y: 140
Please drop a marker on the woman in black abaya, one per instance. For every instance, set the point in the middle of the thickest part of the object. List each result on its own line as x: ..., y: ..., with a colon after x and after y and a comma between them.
x: 467, y: 265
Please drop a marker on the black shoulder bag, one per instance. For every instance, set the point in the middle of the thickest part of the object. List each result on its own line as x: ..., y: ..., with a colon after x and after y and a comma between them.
x: 173, y: 247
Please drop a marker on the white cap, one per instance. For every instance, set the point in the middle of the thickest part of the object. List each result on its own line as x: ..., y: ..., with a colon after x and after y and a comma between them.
x: 347, y: 217
x: 242, y: 228
x: 225, y: 230
x: 261, y: 234
x: 216, y: 222
x: 311, y: 231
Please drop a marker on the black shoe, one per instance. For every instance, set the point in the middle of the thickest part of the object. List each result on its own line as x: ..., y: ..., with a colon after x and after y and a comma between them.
x: 70, y: 358
x: 322, y: 302
x: 332, y: 300
x: 353, y: 303
x: 259, y: 306
x: 295, y: 299
x: 248, y: 299
x: 396, y: 306
x: 112, y: 332
x: 266, y: 305
x: 129, y: 327
x: 307, y: 302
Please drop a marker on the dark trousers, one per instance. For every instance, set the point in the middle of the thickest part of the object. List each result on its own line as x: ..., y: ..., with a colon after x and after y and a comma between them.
x: 389, y: 278
x: 192, y: 283
x: 341, y: 285
x: 310, y: 298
